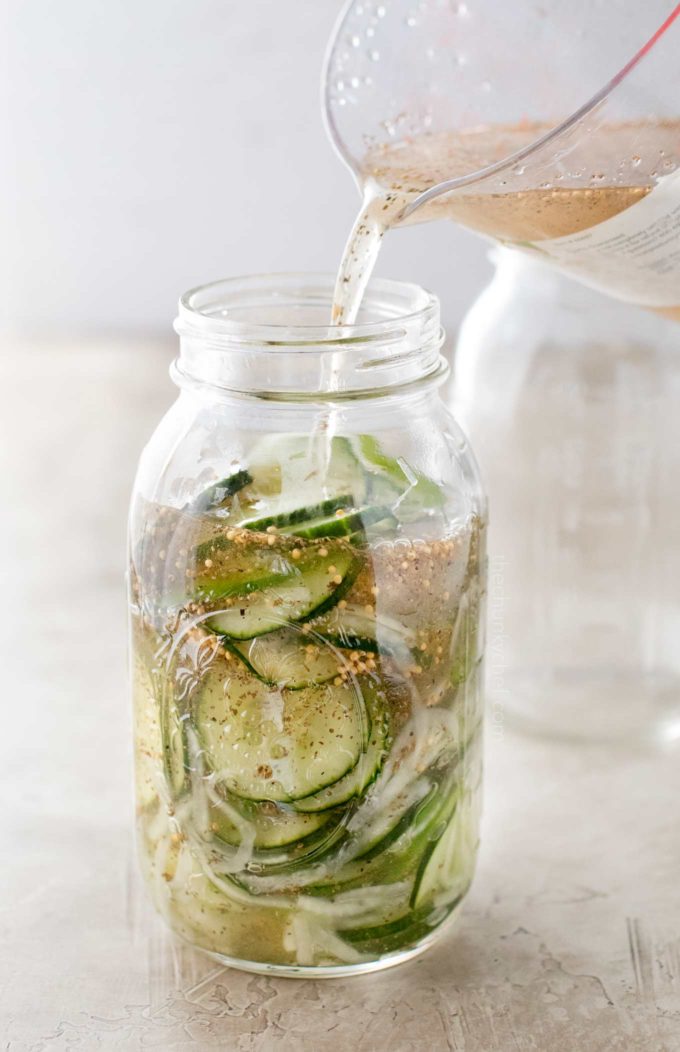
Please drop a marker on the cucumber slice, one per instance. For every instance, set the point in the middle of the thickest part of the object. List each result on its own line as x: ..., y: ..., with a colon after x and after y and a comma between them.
x: 289, y: 659
x: 278, y: 839
x: 399, y: 934
x: 447, y: 865
x: 278, y: 745
x: 396, y: 821
x: 354, y: 629
x: 267, y: 600
x: 286, y: 519
x: 368, y: 766
x: 273, y: 826
x: 216, y: 496
x: 349, y: 523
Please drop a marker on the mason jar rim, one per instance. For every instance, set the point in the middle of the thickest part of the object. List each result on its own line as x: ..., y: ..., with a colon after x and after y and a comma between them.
x: 195, y: 318
x: 270, y: 335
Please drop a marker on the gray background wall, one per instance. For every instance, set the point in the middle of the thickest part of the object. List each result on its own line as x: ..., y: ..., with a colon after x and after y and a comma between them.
x: 150, y: 145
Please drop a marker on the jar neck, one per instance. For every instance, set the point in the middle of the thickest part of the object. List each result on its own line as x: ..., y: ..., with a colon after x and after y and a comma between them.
x: 268, y: 338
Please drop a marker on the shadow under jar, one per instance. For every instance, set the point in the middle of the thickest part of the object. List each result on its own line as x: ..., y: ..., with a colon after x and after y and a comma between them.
x: 307, y: 580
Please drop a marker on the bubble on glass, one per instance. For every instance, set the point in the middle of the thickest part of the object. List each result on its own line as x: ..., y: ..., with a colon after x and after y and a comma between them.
x: 355, y: 82
x: 374, y: 55
x: 370, y: 32
x: 381, y: 11
x: 340, y: 85
x: 355, y: 40
x: 410, y: 21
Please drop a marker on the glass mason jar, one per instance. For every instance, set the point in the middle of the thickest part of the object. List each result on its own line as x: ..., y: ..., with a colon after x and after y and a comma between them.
x: 571, y: 401
x: 306, y: 595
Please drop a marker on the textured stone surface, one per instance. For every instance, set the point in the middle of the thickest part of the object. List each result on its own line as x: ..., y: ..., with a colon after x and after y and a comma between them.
x: 570, y: 940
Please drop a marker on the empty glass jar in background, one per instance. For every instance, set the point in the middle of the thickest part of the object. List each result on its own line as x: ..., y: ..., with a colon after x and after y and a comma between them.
x: 306, y: 595
x: 571, y: 401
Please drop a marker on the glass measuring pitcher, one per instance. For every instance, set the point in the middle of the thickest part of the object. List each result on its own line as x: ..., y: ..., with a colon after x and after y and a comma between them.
x: 554, y: 128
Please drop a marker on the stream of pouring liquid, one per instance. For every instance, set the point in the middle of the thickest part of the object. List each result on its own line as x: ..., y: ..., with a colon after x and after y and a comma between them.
x: 618, y: 168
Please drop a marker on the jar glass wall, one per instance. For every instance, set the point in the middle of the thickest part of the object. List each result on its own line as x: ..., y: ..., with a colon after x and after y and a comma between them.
x: 307, y: 581
x: 571, y: 401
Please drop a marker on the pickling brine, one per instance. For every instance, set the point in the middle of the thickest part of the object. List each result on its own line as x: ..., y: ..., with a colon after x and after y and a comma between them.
x: 608, y: 214
x: 307, y: 670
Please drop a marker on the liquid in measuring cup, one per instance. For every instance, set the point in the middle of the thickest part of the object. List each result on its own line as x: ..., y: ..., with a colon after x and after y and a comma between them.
x: 607, y: 212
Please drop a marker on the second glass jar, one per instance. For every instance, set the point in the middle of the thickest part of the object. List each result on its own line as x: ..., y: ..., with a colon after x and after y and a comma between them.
x: 306, y: 596
x: 571, y: 400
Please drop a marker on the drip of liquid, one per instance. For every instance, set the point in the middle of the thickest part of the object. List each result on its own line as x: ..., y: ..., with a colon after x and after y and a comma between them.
x: 589, y: 182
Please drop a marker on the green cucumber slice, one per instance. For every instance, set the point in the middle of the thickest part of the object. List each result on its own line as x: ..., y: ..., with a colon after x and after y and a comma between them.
x: 304, y: 589
x: 350, y: 523
x: 396, y: 821
x: 289, y: 659
x: 273, y: 826
x: 447, y: 865
x: 354, y: 629
x: 398, y: 934
x: 217, y: 495
x: 279, y: 745
x: 285, y: 520
x: 360, y: 776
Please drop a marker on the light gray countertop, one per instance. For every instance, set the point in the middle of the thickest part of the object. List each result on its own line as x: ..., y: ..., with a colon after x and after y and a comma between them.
x: 570, y: 938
